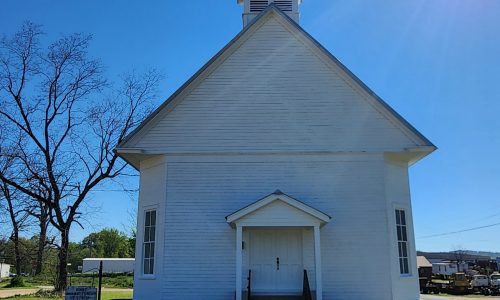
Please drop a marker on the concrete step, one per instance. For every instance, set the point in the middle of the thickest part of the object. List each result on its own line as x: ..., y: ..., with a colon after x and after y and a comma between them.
x: 277, y: 298
x: 281, y: 297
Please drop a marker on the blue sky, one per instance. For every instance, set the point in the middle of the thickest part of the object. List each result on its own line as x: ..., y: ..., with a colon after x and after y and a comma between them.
x: 436, y: 62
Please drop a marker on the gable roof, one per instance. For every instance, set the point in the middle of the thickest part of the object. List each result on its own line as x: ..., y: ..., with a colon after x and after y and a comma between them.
x: 278, y: 196
x: 126, y: 146
x: 422, y: 262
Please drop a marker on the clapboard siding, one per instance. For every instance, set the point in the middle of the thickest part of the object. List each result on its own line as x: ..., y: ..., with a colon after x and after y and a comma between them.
x: 274, y: 93
x: 398, y: 196
x: 199, y: 257
x: 151, y: 196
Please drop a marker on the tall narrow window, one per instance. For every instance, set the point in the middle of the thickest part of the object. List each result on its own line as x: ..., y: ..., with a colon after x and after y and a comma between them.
x: 402, y: 241
x: 148, y: 251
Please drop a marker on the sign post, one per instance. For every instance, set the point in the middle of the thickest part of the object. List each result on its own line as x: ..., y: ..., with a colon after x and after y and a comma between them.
x: 100, y: 281
x: 80, y: 293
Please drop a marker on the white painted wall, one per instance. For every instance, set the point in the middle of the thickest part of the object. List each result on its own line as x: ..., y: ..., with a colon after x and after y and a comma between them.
x: 449, y: 268
x: 109, y: 265
x: 4, y: 270
x: 202, y: 190
x: 152, y: 195
x: 274, y: 94
x: 398, y: 197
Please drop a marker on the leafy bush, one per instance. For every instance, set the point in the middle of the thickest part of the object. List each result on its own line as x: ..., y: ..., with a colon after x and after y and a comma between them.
x: 47, y: 294
x: 17, y: 281
x: 109, y: 280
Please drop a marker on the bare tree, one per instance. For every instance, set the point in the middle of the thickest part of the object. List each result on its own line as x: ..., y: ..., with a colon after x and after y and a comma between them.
x: 12, y: 202
x: 17, y: 217
x: 40, y: 212
x: 70, y: 118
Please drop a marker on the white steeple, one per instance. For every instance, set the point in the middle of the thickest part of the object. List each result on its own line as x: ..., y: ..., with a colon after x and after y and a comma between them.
x: 254, y: 7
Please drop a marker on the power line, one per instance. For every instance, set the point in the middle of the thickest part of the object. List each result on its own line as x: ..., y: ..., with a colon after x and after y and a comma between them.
x: 458, y: 231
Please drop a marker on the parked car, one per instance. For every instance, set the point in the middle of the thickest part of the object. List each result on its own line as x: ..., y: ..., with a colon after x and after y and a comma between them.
x: 495, y: 279
x: 479, y: 281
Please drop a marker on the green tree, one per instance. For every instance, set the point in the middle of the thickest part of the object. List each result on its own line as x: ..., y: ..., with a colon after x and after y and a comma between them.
x: 109, y: 243
x: 77, y: 252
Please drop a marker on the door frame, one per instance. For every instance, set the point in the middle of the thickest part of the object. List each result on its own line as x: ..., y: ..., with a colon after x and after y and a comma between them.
x: 276, y: 290
x: 277, y: 210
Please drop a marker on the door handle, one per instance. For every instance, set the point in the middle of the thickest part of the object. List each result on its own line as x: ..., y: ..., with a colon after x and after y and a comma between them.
x: 277, y: 263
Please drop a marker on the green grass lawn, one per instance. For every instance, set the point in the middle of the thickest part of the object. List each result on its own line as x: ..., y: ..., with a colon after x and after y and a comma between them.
x: 6, y: 281
x: 105, y: 296
x: 108, y: 281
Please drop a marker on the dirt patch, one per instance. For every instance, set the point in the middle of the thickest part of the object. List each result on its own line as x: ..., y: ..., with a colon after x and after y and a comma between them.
x: 4, y: 293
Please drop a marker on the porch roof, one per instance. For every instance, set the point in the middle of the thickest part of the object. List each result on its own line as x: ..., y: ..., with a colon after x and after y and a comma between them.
x: 279, y: 196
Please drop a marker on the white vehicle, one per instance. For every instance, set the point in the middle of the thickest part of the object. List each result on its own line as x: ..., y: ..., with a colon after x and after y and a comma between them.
x: 479, y: 281
x: 495, y: 280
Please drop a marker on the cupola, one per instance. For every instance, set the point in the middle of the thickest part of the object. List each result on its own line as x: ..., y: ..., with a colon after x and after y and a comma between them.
x: 254, y: 7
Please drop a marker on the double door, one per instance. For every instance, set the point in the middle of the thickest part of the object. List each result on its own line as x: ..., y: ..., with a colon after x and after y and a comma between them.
x: 275, y: 258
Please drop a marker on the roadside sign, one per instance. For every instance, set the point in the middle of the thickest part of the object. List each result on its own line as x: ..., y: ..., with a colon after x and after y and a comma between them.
x: 81, y: 293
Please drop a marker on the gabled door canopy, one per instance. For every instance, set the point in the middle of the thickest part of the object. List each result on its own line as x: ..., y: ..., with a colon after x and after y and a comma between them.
x: 293, y: 207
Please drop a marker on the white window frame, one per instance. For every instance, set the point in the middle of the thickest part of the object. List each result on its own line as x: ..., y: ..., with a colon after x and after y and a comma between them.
x: 150, y: 241
x: 403, y: 241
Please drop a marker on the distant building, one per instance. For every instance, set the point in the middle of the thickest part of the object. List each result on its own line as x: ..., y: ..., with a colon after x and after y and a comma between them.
x: 452, y: 256
x: 4, y: 270
x: 422, y: 262
x: 109, y: 265
x: 424, y: 267
x: 449, y: 267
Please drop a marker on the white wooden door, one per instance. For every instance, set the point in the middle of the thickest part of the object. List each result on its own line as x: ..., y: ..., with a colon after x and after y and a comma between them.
x: 276, y: 260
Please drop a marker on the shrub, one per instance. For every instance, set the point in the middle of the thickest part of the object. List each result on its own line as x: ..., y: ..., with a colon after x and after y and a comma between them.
x: 17, y: 281
x: 47, y: 294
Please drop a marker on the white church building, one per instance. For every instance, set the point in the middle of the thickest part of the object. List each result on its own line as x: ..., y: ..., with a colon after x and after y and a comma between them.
x: 273, y: 163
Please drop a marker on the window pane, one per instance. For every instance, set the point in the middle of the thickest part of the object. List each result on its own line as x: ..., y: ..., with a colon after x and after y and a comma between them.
x: 153, y: 218
x: 402, y: 236
x: 403, y: 229
x: 152, y: 234
x: 146, y: 266
x: 405, y: 263
x: 148, y: 241
x: 403, y: 217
